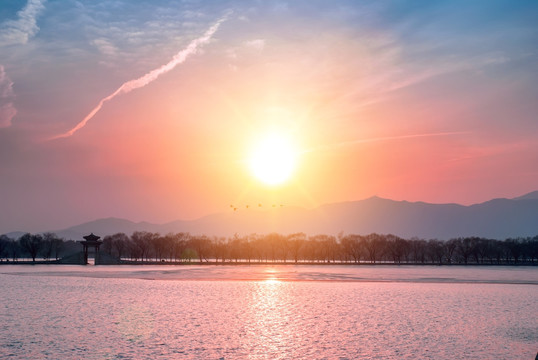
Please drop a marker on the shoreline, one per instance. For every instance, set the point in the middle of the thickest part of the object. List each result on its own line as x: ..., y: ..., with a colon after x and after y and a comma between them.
x: 267, y: 263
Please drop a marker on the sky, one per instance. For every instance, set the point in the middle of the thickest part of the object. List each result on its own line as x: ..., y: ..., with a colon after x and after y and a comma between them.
x: 149, y: 110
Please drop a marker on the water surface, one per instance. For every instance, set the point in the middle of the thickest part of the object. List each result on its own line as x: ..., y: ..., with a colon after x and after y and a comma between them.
x: 268, y: 312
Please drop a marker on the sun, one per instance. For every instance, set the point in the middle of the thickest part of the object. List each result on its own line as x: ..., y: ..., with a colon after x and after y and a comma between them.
x: 273, y: 159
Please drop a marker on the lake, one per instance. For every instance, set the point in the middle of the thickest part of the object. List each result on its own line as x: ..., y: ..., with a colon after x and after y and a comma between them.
x: 268, y: 312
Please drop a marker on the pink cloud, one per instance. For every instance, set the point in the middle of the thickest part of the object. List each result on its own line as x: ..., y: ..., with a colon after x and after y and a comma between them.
x: 7, y: 109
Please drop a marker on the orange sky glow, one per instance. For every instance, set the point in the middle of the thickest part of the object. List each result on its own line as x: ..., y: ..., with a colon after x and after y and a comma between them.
x: 379, y: 108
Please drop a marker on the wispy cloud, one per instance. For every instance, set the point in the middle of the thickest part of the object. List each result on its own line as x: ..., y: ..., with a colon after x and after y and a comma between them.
x: 19, y: 31
x: 257, y: 44
x: 383, y: 138
x: 439, y: 67
x: 495, y: 149
x: 131, y: 85
x: 7, y: 109
x: 104, y: 46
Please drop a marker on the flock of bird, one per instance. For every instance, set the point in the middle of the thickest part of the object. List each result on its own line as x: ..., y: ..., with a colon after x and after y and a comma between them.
x: 235, y: 208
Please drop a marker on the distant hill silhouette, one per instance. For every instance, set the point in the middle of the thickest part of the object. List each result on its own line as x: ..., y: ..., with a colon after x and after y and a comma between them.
x: 496, y: 219
x: 530, y: 196
x: 105, y: 227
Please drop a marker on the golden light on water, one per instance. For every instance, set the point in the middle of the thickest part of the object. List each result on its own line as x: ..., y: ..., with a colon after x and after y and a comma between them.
x: 271, y: 276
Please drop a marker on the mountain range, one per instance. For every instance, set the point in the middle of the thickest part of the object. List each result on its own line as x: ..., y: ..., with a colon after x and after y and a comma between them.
x: 495, y: 219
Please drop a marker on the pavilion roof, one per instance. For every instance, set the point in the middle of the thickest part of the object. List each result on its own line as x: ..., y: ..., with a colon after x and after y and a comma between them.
x: 91, y: 237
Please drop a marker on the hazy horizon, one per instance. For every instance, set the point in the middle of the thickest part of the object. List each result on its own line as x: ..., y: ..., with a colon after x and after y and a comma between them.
x: 159, y: 112
x: 494, y: 219
x: 268, y: 207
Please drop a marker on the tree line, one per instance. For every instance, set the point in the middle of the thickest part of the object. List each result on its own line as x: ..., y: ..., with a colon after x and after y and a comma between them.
x: 143, y: 246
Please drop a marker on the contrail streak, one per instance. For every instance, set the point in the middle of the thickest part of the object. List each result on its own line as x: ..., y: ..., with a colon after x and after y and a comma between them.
x: 384, y: 138
x: 131, y: 85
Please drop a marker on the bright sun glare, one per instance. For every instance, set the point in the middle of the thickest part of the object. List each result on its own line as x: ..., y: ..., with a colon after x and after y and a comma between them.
x: 273, y: 159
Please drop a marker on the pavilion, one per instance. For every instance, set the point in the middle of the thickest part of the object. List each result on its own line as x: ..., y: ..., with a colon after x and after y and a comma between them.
x: 91, y: 241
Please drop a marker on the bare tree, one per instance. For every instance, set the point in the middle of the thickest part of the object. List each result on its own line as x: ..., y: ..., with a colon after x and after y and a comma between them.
x: 330, y: 248
x: 32, y: 244
x: 351, y: 245
x: 180, y: 241
x: 57, y: 247
x: 52, y: 244
x: 277, y: 246
x: 120, y: 242
x: 234, y: 247
x: 142, y: 242
x: 200, y: 244
x: 14, y: 249
x: 375, y: 245
x: 296, y: 242
x: 532, y: 248
x: 515, y: 248
x: 397, y: 247
x: 4, y: 243
x: 464, y: 248
x: 246, y: 248
x: 436, y: 251
x: 450, y: 249
x: 108, y: 242
x: 418, y: 250
x: 219, y: 246
x: 158, y: 243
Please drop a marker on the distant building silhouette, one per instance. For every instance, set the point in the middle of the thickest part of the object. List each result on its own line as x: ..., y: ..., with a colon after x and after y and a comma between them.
x: 91, y: 241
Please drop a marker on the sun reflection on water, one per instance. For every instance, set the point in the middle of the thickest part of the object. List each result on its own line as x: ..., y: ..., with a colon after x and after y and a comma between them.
x: 271, y: 330
x: 271, y: 276
x: 267, y: 315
